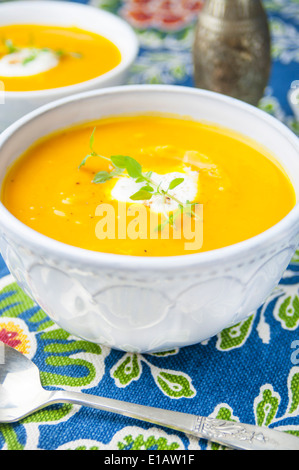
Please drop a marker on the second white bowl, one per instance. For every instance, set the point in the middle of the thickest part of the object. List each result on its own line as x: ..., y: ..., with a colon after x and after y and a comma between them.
x: 17, y: 104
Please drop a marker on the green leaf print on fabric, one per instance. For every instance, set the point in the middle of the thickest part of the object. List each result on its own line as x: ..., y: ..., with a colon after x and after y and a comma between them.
x: 174, y: 385
x: 141, y: 442
x: 86, y: 448
x: 235, y: 336
x: 295, y: 258
x: 130, y: 438
x: 47, y: 415
x: 48, y: 378
x: 171, y: 352
x: 266, y: 406
x: 284, y: 41
x: 126, y: 370
x: 10, y: 437
x: 289, y: 312
x: 14, y: 301
x: 68, y: 365
x: 223, y: 412
x: 294, y: 389
x: 109, y: 5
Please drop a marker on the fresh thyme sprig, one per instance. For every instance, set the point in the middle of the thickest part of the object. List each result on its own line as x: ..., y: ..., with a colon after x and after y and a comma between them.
x: 11, y: 48
x: 133, y: 169
x: 32, y: 56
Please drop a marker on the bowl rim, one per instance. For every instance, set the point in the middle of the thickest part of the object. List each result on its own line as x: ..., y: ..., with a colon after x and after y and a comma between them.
x: 91, y: 258
x: 55, y: 93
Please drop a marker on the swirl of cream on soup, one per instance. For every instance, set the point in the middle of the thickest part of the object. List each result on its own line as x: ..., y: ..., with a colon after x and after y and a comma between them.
x: 28, y: 61
x: 186, y: 191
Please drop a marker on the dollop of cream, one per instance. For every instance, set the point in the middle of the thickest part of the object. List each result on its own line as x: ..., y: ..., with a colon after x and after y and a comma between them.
x: 186, y: 191
x: 27, y: 62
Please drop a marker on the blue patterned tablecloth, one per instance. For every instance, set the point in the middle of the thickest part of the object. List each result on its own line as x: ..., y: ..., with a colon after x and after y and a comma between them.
x: 249, y: 372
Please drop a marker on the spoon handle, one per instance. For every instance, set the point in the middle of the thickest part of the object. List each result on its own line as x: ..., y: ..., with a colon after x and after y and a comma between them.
x: 231, y: 434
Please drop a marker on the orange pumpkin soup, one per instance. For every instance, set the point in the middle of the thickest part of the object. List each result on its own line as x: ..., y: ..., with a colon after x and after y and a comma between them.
x: 39, y: 57
x: 167, y: 166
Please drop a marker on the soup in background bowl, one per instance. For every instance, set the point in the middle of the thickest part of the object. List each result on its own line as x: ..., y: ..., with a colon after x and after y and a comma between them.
x: 43, y: 57
x: 55, y: 49
x: 150, y: 302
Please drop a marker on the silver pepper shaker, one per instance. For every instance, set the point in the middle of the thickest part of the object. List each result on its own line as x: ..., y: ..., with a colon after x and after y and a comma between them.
x: 232, y: 49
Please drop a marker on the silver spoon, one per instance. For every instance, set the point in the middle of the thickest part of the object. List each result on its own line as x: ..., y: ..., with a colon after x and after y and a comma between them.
x: 21, y: 394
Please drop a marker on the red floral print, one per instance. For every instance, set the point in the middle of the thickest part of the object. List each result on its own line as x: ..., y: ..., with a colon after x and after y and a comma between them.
x: 168, y: 15
x: 14, y: 334
x: 9, y: 337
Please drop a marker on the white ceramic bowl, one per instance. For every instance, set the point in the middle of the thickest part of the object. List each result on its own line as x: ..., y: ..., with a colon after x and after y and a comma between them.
x: 149, y: 304
x: 17, y: 104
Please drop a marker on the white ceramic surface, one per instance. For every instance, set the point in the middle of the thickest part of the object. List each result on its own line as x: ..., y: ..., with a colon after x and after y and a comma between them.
x: 149, y: 304
x: 17, y: 104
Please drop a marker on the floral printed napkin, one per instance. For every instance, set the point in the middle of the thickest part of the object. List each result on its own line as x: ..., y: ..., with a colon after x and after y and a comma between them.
x: 249, y: 372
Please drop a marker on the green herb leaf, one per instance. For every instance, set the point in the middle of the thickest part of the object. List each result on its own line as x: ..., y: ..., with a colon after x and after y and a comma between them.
x: 29, y: 58
x: 117, y: 172
x: 141, y: 195
x: 133, y: 168
x: 188, y: 209
x: 147, y: 188
x: 176, y: 182
x: 10, y: 46
x: 161, y: 227
x: 60, y: 53
x: 102, y: 177
x: 84, y: 161
x: 91, y: 140
x: 119, y: 161
x: 171, y: 219
x: 141, y: 179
